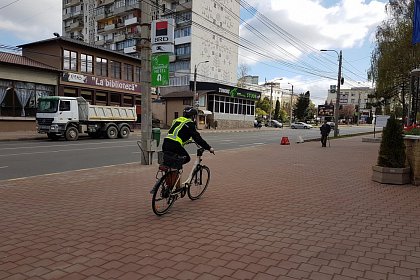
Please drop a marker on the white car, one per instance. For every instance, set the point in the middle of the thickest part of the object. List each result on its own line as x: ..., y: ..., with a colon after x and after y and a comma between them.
x: 303, y: 125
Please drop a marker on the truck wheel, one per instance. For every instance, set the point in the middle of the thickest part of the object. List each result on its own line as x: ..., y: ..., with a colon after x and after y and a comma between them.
x: 72, y: 134
x: 124, y: 132
x: 112, y: 132
x: 53, y: 136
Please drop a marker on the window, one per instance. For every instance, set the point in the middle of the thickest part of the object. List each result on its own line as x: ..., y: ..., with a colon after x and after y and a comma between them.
x: 64, y: 105
x: 101, y: 66
x: 129, y: 72
x: 137, y: 74
x: 101, y: 98
x: 86, y: 63
x: 86, y: 94
x: 70, y: 60
x: 187, y: 101
x: 115, y: 69
x: 184, y: 49
x: 128, y: 100
x: 116, y: 98
x: 70, y: 92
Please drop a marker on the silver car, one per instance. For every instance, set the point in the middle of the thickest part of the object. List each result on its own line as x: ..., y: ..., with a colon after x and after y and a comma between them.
x: 303, y: 125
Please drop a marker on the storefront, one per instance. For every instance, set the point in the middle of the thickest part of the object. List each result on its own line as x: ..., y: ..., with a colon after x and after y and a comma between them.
x: 22, y: 82
x: 224, y: 106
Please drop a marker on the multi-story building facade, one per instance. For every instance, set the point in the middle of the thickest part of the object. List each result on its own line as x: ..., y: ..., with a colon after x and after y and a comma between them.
x: 204, y: 31
x: 356, y: 96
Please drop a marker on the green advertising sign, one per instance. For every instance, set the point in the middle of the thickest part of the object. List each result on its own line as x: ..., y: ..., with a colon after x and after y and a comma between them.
x: 160, y: 70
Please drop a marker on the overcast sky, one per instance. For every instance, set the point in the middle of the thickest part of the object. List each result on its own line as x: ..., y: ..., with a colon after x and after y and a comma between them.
x: 309, y: 25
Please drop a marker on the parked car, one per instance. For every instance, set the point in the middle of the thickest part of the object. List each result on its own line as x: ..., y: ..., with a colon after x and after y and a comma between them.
x: 274, y: 123
x: 297, y: 125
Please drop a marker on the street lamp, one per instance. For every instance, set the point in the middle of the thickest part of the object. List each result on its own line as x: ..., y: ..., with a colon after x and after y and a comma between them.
x: 196, y: 102
x: 291, y: 107
x: 337, y: 100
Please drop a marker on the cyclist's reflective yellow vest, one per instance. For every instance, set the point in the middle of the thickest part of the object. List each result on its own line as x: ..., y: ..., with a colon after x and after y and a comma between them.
x: 177, y: 124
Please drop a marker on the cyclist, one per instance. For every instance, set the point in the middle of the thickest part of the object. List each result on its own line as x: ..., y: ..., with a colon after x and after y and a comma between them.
x: 181, y: 131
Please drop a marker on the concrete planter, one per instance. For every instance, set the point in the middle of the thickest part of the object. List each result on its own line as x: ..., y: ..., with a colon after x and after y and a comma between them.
x: 412, y: 150
x: 393, y: 176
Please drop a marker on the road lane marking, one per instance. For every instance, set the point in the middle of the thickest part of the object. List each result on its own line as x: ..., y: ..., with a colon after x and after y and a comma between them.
x: 60, y: 151
x: 3, y: 167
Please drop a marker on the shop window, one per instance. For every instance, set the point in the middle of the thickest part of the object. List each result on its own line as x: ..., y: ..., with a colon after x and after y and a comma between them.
x: 69, y: 60
x: 128, y: 73
x: 128, y: 100
x: 101, y: 67
x: 138, y: 101
x: 86, y: 63
x: 116, y: 98
x: 137, y: 74
x: 70, y: 92
x: 101, y: 98
x: 115, y: 69
x: 86, y: 94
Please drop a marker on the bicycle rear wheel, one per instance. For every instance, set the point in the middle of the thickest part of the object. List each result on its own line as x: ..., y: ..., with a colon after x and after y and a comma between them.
x: 199, y: 181
x: 162, y: 199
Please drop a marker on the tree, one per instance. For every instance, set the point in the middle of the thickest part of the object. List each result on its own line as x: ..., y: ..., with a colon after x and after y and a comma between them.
x: 263, y: 104
x: 243, y: 71
x: 394, y: 56
x: 392, y: 149
x: 348, y: 112
x: 277, y: 110
x: 311, y: 111
x: 300, y: 110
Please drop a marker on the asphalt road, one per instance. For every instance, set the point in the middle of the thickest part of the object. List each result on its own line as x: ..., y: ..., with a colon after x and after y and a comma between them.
x: 38, y: 157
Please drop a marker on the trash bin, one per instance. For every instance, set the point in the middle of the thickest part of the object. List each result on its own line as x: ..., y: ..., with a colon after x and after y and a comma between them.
x: 156, y: 135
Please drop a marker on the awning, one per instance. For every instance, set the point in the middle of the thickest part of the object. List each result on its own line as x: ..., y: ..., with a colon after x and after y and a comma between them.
x: 205, y: 112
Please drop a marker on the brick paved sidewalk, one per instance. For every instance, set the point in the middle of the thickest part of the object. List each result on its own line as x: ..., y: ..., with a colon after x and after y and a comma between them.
x: 271, y: 212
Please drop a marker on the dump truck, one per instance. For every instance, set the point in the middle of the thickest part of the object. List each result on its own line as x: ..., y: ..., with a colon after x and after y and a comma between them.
x: 59, y: 116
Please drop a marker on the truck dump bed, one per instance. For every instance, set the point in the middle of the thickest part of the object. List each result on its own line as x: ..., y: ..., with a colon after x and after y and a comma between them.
x: 89, y: 112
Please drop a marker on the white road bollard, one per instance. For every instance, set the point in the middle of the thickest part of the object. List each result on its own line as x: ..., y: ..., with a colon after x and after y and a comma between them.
x: 299, y: 139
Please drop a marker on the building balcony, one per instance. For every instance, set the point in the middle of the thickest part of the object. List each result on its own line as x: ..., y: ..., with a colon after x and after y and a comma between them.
x: 105, y: 2
x: 182, y: 40
x: 133, y: 35
x: 100, y: 43
x: 119, y: 38
x: 127, y: 8
x: 109, y: 27
x: 184, y: 7
x: 130, y: 49
x: 73, y: 3
x: 76, y: 25
x: 74, y: 15
x: 131, y: 21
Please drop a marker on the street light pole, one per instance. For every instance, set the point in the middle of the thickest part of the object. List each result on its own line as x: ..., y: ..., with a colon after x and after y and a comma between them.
x: 271, y: 98
x: 196, y: 101
x: 337, y: 100
x: 291, y: 107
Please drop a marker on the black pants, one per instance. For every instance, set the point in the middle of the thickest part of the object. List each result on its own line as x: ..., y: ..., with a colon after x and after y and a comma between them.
x: 324, y: 140
x: 175, y: 147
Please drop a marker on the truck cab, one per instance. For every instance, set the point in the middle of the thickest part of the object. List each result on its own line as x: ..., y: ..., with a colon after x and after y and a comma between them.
x: 54, y: 113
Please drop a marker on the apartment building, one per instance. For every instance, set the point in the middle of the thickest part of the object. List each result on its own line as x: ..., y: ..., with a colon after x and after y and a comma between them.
x: 204, y: 31
x: 357, y: 96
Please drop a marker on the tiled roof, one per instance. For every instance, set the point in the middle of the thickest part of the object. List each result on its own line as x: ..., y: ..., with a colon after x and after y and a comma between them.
x: 24, y: 61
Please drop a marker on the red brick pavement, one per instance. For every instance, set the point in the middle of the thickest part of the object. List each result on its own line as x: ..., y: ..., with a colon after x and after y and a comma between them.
x: 271, y: 212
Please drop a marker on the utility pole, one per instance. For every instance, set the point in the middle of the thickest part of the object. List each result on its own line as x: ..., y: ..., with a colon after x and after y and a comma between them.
x: 271, y: 98
x: 337, y: 99
x: 291, y: 107
x: 145, y: 73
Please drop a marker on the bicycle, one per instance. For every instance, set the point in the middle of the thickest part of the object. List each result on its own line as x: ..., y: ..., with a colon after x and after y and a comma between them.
x: 165, y: 193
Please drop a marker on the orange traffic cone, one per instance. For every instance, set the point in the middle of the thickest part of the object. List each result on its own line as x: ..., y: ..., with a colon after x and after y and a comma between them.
x: 284, y: 141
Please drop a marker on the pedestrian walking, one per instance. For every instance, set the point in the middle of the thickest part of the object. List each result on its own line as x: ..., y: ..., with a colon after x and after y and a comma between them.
x: 325, y: 131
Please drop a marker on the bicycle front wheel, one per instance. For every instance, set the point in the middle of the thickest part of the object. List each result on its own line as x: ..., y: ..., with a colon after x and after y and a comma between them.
x: 199, y: 181
x: 162, y: 199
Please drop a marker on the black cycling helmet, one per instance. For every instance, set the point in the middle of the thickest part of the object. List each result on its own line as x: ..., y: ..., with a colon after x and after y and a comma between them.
x: 190, y: 112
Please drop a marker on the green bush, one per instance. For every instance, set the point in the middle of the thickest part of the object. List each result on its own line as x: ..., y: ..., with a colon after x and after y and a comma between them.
x: 392, y: 149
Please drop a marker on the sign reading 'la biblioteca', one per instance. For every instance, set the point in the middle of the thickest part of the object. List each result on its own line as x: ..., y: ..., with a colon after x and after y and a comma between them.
x: 100, y: 82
